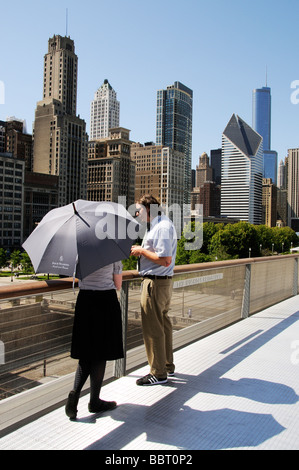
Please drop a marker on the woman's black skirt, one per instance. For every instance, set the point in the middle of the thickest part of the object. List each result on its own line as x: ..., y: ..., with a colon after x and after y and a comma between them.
x: 97, y: 329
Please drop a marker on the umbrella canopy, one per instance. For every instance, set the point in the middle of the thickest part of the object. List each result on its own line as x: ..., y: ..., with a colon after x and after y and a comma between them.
x: 81, y: 237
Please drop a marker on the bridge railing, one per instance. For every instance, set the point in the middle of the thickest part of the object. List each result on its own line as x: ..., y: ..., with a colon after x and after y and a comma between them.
x: 36, y: 323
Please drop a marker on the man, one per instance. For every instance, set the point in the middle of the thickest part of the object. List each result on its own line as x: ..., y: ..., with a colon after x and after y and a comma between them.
x: 157, y: 258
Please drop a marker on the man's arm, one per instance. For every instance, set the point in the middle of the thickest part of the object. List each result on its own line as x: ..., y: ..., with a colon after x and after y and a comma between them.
x: 137, y: 250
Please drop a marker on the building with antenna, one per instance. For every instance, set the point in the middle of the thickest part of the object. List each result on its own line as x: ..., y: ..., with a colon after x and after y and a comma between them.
x: 261, y: 123
x: 60, y: 140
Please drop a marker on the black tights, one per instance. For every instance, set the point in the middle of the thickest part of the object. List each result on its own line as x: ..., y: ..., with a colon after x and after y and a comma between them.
x: 94, y: 369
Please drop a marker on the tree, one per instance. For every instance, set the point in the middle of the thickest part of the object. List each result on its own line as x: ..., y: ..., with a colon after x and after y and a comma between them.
x: 15, y: 258
x: 3, y: 258
x: 236, y: 240
x: 26, y: 262
x: 209, y: 229
x: 265, y: 237
x: 283, y: 237
x: 130, y: 263
x: 182, y: 255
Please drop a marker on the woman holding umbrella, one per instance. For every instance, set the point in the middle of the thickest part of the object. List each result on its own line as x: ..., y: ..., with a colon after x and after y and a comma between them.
x: 97, y: 335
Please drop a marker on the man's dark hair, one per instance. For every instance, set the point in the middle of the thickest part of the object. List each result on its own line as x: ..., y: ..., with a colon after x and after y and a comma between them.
x: 149, y: 200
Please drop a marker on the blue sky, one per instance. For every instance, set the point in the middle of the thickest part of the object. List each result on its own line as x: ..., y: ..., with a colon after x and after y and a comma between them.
x: 218, y: 48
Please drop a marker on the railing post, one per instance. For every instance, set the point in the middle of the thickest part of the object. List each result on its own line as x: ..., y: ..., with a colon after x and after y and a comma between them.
x: 120, y: 364
x: 246, y: 293
x: 295, y: 278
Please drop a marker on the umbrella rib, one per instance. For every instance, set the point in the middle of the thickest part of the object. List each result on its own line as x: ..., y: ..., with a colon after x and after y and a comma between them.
x: 80, y: 217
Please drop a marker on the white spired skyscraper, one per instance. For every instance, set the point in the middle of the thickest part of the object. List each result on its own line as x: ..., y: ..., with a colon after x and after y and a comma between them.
x: 104, y: 112
x: 241, y: 172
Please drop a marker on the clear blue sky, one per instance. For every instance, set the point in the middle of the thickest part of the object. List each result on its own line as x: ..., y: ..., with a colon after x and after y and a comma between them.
x: 218, y: 48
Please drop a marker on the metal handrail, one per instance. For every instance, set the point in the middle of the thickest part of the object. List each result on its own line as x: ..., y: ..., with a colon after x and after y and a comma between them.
x: 39, y: 287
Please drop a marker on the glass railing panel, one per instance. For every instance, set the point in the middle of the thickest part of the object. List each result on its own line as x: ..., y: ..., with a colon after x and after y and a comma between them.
x: 35, y: 333
x: 197, y: 296
x: 271, y: 282
x: 206, y: 294
x: 134, y: 329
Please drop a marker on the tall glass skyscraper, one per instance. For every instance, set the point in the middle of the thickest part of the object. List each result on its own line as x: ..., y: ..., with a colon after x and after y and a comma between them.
x: 261, y: 123
x: 241, y: 172
x: 174, y: 126
x: 261, y: 114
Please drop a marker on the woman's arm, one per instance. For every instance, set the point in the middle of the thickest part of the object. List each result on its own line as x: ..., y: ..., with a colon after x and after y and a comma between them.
x: 117, y: 279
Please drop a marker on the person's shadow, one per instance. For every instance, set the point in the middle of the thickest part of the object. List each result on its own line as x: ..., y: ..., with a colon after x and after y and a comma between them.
x: 173, y: 422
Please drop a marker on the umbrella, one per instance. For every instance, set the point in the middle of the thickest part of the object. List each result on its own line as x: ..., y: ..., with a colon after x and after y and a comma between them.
x: 81, y: 237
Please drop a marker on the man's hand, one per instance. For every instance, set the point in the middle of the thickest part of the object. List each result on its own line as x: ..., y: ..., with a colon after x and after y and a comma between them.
x: 136, y: 250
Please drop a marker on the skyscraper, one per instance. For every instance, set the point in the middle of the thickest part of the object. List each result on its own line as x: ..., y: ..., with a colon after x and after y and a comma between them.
x: 60, y: 139
x: 159, y: 171
x: 204, y: 172
x: 241, y: 172
x: 293, y: 189
x: 111, y: 171
x: 174, y: 126
x: 261, y: 114
x: 104, y: 112
x: 261, y: 123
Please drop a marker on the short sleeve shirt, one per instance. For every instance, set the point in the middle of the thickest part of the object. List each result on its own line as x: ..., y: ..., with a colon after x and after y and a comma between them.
x: 162, y: 240
x: 102, y: 279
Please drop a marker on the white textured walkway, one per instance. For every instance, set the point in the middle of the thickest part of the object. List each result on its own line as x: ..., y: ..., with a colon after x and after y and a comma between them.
x: 236, y: 389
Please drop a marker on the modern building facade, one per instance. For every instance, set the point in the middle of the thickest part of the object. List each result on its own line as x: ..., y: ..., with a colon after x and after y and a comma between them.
x: 241, y: 172
x: 261, y: 114
x: 104, y: 112
x: 261, y: 123
x: 174, y: 126
x: 60, y: 139
x: 216, y: 165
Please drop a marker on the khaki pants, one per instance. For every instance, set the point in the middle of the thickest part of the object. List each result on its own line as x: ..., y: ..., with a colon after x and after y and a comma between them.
x: 156, y: 325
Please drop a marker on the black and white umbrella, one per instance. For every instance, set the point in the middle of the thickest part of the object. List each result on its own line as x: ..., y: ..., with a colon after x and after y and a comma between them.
x: 81, y: 237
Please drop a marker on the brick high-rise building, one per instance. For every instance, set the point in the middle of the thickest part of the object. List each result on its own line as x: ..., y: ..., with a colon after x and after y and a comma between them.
x: 111, y: 171
x: 60, y: 139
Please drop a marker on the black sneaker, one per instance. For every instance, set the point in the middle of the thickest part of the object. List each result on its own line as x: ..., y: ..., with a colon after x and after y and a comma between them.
x: 151, y: 380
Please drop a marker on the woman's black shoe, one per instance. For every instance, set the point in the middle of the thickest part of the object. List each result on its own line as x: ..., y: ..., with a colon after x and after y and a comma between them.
x: 101, y: 406
x: 71, y: 405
